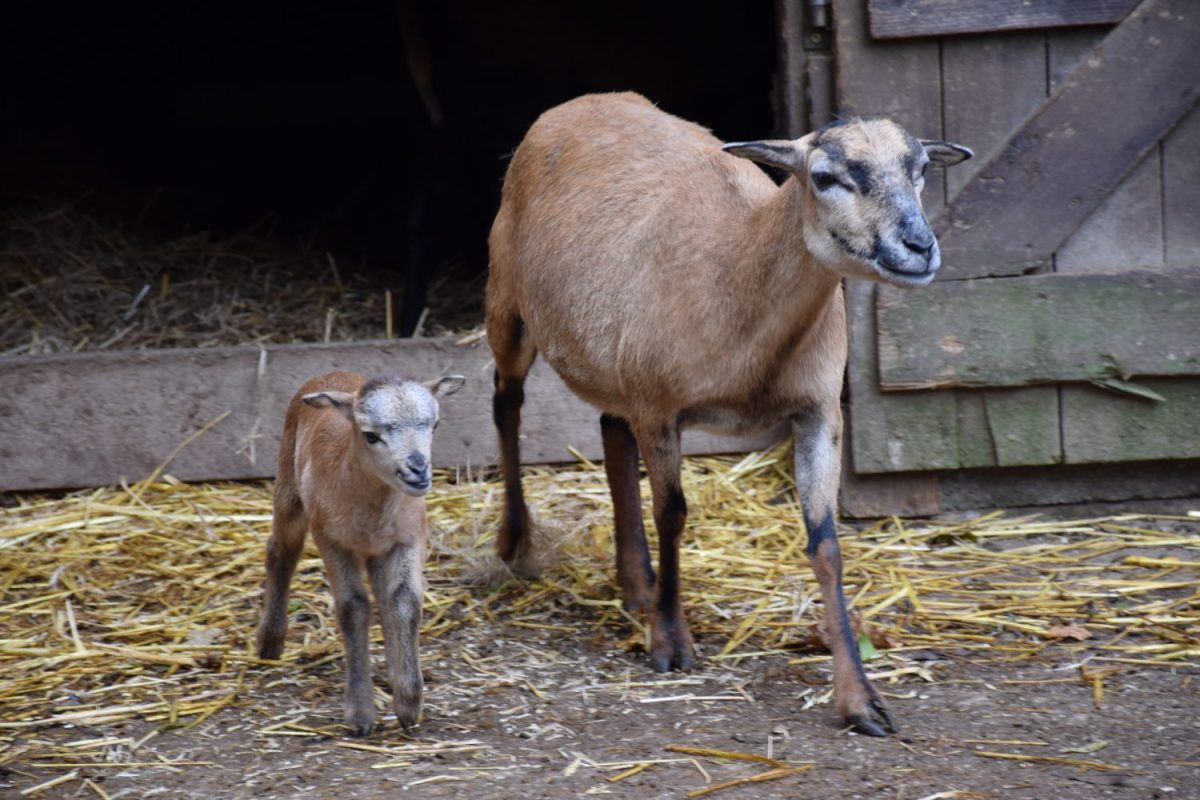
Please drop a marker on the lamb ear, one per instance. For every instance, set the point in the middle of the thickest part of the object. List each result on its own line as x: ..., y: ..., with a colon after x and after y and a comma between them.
x: 946, y: 154
x: 784, y: 154
x: 342, y: 401
x: 446, y: 386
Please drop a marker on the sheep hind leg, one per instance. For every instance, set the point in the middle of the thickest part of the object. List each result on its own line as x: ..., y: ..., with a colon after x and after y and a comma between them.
x: 818, y: 468
x: 288, y: 527
x: 514, y: 352
x: 671, y: 643
x: 634, y: 572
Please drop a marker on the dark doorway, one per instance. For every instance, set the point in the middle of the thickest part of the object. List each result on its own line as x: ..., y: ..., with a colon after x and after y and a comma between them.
x: 375, y: 130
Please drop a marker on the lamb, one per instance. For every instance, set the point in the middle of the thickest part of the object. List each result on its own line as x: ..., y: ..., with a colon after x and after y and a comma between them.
x: 353, y: 467
x: 670, y: 283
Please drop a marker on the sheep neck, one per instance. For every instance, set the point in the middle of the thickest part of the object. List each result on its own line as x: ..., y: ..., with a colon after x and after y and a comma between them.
x: 791, y: 289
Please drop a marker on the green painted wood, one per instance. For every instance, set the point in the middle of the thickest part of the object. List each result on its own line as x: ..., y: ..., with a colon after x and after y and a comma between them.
x: 888, y: 433
x: 1100, y: 426
x: 1039, y: 329
x: 937, y: 430
x: 990, y: 84
x: 904, y: 18
x: 1070, y: 154
x: 1024, y: 426
x: 973, y: 436
x: 1006, y: 427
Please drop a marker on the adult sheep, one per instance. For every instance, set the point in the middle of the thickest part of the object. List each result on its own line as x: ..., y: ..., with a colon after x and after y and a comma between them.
x: 671, y: 283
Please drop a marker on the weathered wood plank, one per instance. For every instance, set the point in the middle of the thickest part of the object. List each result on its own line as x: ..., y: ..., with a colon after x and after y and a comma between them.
x: 792, y: 99
x: 901, y: 80
x: 1024, y: 426
x: 1125, y: 232
x: 989, y: 85
x: 892, y: 433
x: 905, y: 18
x: 94, y: 418
x: 1068, y: 483
x: 1075, y: 150
x: 1039, y: 329
x: 1100, y: 426
x: 1181, y: 193
x: 903, y: 494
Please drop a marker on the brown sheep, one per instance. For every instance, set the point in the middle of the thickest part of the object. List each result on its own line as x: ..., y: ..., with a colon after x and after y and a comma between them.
x: 354, y: 467
x: 671, y: 284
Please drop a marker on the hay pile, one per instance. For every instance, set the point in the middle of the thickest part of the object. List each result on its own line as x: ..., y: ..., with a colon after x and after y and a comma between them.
x: 140, y: 602
x: 69, y: 284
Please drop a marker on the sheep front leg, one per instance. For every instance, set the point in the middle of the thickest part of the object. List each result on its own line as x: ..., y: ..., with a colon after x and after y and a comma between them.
x: 398, y: 585
x: 354, y: 618
x: 670, y: 640
x: 818, y: 468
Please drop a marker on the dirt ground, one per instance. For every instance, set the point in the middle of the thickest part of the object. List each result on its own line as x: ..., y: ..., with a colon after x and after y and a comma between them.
x: 584, y: 712
x: 542, y: 689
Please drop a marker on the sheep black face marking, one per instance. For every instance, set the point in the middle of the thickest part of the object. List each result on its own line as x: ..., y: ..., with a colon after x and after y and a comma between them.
x: 862, y: 212
x: 865, y: 179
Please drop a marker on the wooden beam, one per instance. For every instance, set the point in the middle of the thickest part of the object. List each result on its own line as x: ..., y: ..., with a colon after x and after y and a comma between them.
x: 1077, y: 147
x: 905, y: 18
x: 1100, y: 426
x: 1039, y: 329
x: 91, y: 419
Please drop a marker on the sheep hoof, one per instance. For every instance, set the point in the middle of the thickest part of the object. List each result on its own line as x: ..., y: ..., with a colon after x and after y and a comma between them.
x: 359, y: 729
x: 875, y: 722
x: 680, y: 655
x: 359, y: 720
x: 525, y: 566
x: 408, y: 711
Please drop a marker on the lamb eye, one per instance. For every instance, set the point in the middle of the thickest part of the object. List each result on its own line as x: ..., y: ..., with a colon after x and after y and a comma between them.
x: 371, y: 437
x: 826, y: 180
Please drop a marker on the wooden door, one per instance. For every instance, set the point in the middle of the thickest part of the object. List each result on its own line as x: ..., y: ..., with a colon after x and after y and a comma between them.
x: 1064, y: 328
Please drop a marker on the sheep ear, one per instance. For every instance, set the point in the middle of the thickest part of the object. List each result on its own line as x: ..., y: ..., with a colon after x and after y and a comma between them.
x: 342, y: 401
x: 781, y: 153
x: 446, y: 386
x: 946, y: 154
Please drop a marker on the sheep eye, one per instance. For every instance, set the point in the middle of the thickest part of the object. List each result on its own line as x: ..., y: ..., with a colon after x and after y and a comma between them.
x: 371, y: 437
x: 826, y: 180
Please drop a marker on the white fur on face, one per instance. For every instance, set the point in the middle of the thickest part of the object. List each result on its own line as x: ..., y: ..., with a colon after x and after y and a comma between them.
x: 403, y: 416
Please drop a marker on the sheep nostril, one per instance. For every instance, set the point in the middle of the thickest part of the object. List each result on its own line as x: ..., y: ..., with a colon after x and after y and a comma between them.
x: 416, y: 462
x: 921, y: 245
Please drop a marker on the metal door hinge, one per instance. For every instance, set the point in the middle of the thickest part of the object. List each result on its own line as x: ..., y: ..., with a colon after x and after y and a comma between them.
x: 818, y: 24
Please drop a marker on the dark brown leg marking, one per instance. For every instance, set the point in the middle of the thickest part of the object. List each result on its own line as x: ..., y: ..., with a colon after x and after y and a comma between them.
x: 673, y: 644
x: 634, y: 571
x: 670, y: 640
x: 858, y: 701
x: 513, y: 543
